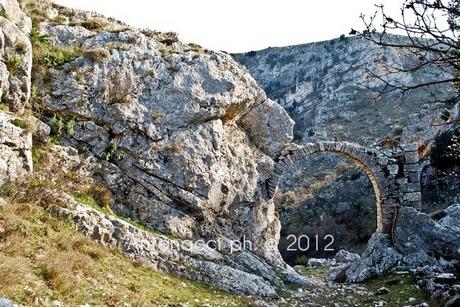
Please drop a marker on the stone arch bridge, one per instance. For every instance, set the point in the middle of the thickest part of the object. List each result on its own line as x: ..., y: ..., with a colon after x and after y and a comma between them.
x: 394, y: 173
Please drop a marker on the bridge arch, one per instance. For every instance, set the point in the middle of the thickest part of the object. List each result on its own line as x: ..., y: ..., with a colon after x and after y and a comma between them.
x: 375, y: 164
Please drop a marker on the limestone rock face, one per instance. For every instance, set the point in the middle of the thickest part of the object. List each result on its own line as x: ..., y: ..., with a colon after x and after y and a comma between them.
x: 15, y: 150
x: 5, y: 303
x: 15, y: 55
x: 187, y: 136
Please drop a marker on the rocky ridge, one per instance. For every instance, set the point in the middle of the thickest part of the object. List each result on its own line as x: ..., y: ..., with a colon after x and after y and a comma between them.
x: 327, y: 90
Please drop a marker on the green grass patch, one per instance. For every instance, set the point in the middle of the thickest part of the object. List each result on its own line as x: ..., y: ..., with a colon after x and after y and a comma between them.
x: 13, y: 63
x: 4, y: 107
x: 400, y: 292
x: 21, y: 123
x: 47, y: 55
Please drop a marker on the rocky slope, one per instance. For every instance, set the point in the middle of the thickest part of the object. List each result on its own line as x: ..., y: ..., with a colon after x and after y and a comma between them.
x: 327, y: 90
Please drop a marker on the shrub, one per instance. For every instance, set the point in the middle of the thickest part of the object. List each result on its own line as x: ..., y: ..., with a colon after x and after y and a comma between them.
x: 58, y: 126
x: 48, y: 55
x: 7, y: 189
x: 79, y: 78
x: 169, y: 38
x: 165, y: 52
x: 93, y: 25
x: 13, y: 63
x: 81, y: 102
x: 4, y: 107
x: 196, y: 48
x: 445, y: 154
x: 20, y: 47
x: 69, y: 127
x: 55, y: 56
x: 21, y: 123
x: 301, y: 260
x: 173, y: 148
x: 111, y: 153
x: 3, y: 14
x: 60, y: 20
x: 98, y: 197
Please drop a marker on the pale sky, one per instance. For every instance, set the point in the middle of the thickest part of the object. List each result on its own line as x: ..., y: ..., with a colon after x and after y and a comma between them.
x: 241, y: 25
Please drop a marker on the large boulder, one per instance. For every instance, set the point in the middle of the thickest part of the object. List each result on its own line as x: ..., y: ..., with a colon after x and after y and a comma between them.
x: 377, y: 260
x: 15, y: 55
x: 5, y: 303
x: 423, y: 239
x: 344, y: 256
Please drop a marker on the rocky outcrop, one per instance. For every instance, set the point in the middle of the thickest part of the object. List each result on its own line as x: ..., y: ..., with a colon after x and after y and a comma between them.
x: 5, y: 303
x: 423, y: 239
x: 15, y: 55
x: 344, y: 256
x: 169, y: 123
x: 196, y: 261
x: 184, y: 138
x: 177, y: 126
x: 427, y: 245
x: 377, y: 260
x: 15, y: 80
x: 15, y: 149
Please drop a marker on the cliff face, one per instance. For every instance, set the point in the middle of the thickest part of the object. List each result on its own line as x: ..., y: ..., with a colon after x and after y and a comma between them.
x: 175, y: 124
x: 15, y: 55
x: 15, y: 79
x: 182, y: 137
x: 327, y: 90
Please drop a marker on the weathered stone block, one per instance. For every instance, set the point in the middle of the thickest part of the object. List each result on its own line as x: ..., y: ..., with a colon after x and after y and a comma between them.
x: 393, y: 169
x: 410, y: 147
x: 412, y: 157
x: 412, y: 167
x: 410, y: 188
x: 321, y: 146
x: 414, y: 177
x: 412, y: 197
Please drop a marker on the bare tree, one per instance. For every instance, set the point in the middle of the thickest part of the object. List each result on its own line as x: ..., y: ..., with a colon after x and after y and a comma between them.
x: 432, y: 29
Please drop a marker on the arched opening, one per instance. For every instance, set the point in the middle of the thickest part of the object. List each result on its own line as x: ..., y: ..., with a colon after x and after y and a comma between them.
x: 328, y: 199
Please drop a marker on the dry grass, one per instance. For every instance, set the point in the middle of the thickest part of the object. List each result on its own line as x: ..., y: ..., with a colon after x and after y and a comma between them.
x: 97, y: 54
x: 43, y: 258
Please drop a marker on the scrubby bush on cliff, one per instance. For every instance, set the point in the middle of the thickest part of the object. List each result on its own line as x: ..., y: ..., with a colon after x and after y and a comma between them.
x: 445, y: 154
